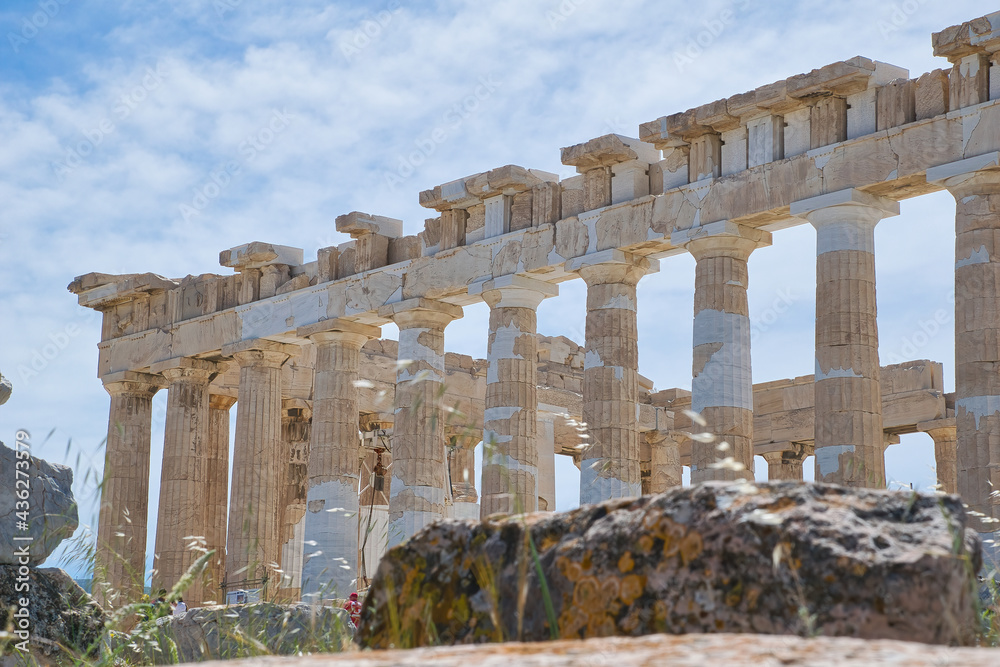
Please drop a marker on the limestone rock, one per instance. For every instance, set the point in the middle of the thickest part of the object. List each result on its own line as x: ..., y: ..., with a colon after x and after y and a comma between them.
x: 5, y: 389
x: 775, y: 558
x: 59, y: 611
x: 219, y: 632
x: 51, y: 508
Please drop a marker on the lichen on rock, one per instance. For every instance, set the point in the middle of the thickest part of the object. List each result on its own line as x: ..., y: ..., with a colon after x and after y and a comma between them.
x: 774, y: 558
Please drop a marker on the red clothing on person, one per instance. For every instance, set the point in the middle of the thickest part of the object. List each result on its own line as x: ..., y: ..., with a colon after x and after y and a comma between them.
x: 353, y: 608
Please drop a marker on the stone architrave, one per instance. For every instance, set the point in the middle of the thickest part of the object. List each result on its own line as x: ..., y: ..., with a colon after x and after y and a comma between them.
x: 120, y: 558
x: 510, y: 454
x: 722, y: 383
x: 975, y: 184
x: 254, y: 544
x: 184, y: 483
x: 610, y: 464
x: 331, y: 523
x: 418, y: 452
x: 849, y: 446
x: 217, y: 473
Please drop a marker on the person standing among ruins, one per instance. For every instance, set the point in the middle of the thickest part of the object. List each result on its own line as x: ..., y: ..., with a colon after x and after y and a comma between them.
x: 353, y: 607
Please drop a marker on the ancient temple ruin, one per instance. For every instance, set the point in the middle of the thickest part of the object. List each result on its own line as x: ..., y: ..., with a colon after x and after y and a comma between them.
x: 296, y: 345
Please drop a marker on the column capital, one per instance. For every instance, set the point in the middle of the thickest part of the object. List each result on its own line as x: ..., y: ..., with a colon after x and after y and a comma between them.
x: 141, y: 385
x: 612, y: 266
x: 334, y: 329
x: 773, y: 457
x: 187, y: 368
x: 939, y: 428
x: 221, y: 401
x: 972, y: 176
x: 375, y: 421
x: 421, y: 312
x: 289, y: 404
x: 723, y: 238
x: 655, y: 437
x: 260, y: 352
x: 513, y: 291
x: 851, y: 204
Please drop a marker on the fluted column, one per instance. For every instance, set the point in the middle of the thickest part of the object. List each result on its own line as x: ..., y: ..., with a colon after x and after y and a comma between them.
x: 254, y: 544
x: 419, y: 475
x: 849, y: 448
x: 331, y: 527
x: 945, y: 436
x: 722, y: 383
x: 510, y: 452
x: 610, y: 463
x: 665, y: 461
x: 462, y: 468
x: 783, y: 466
x: 184, y: 483
x: 975, y: 184
x: 373, y: 529
x: 120, y: 558
x: 546, y: 462
x: 216, y: 509
x: 295, y: 432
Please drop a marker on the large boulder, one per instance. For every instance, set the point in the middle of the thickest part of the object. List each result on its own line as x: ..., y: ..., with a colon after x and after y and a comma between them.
x: 226, y: 633
x: 773, y: 558
x: 59, y: 616
x: 51, y: 509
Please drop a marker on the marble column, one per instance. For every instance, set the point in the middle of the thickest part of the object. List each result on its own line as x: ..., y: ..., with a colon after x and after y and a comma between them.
x: 783, y: 466
x: 510, y: 450
x: 184, y: 484
x: 373, y: 534
x: 216, y: 509
x: 610, y: 463
x: 945, y: 436
x: 722, y: 383
x: 120, y: 557
x: 849, y: 448
x: 665, y: 461
x: 295, y: 432
x: 331, y: 527
x: 546, y: 462
x: 259, y: 465
x: 462, y: 467
x: 975, y: 184
x: 419, y: 475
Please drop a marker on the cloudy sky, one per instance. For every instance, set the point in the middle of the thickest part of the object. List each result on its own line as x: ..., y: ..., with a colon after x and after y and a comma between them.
x: 118, y: 118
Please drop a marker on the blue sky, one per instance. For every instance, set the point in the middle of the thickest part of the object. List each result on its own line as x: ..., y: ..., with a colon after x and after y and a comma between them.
x: 115, y: 115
